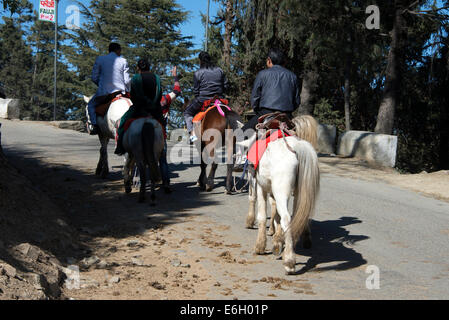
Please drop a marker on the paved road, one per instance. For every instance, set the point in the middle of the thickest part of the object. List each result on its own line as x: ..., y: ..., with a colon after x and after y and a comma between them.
x: 357, y: 224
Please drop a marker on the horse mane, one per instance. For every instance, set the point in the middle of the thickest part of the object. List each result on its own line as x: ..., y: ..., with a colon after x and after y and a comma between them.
x: 306, y: 129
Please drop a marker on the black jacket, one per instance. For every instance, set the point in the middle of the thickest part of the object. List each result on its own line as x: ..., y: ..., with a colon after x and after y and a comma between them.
x: 276, y: 88
x: 208, y: 83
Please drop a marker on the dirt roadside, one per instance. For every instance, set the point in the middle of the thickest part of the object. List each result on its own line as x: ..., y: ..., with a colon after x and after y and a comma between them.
x: 434, y: 185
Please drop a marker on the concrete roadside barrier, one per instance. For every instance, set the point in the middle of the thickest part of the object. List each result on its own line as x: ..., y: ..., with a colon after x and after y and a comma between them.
x: 327, y: 138
x: 10, y: 108
x: 378, y: 148
x: 70, y: 125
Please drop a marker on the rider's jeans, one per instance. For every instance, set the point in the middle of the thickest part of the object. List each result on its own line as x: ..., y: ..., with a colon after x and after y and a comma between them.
x: 164, y: 166
x: 190, y: 112
x: 91, y: 109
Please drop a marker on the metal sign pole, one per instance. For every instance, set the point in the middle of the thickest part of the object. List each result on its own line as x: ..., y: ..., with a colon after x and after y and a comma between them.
x: 56, y: 59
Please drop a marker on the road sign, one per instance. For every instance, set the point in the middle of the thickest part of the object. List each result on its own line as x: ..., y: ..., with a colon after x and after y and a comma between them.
x: 47, y: 10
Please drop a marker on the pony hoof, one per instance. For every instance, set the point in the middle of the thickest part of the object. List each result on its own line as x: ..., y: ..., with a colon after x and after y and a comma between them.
x: 229, y: 193
x: 270, y: 232
x: 289, y: 267
x: 128, y: 190
x: 260, y: 250
x: 277, y: 249
x: 209, y: 188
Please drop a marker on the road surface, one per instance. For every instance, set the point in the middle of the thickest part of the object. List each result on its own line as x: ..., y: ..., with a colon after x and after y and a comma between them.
x: 359, y: 228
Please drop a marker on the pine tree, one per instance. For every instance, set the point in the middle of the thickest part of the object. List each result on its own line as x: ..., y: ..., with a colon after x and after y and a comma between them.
x: 15, y: 62
x: 145, y: 29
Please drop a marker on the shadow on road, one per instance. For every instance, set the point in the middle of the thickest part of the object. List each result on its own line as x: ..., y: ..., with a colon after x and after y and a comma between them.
x: 100, y: 208
x: 332, y: 244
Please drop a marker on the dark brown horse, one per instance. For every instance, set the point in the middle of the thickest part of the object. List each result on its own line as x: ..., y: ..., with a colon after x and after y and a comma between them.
x: 214, y: 133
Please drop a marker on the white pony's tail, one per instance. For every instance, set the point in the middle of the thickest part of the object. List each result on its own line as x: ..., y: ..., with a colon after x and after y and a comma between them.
x: 307, y: 129
x: 307, y: 188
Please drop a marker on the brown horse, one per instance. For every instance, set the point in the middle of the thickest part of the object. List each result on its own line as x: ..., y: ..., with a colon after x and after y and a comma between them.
x: 215, y: 132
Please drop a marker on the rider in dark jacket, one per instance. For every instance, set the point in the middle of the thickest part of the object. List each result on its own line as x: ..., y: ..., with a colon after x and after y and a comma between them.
x: 208, y: 81
x: 275, y: 89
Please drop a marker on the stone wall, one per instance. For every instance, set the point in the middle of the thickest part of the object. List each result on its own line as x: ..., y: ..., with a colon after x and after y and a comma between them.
x: 378, y: 148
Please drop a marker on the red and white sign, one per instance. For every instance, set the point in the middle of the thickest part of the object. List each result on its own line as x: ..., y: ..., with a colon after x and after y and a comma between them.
x: 47, y: 10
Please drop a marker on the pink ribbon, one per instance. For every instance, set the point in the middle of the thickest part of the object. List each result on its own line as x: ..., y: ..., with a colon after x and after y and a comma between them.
x: 218, y: 104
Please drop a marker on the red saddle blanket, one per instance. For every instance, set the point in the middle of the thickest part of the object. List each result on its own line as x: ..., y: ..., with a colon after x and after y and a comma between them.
x: 207, y: 106
x: 259, y: 147
x: 130, y: 121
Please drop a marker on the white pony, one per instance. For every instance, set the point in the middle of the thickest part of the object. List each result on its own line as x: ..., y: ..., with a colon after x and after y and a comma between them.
x: 288, y: 167
x: 108, y: 129
x: 144, y: 142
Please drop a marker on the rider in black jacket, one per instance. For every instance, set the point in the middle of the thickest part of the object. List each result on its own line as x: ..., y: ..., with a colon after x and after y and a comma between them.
x: 208, y: 81
x: 275, y: 89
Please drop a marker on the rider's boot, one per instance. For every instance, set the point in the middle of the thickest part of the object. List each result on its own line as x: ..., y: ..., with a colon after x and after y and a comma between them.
x: 93, y: 129
x: 119, y: 150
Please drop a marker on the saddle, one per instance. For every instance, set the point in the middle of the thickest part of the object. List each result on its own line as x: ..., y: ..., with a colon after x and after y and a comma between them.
x: 276, y: 120
x: 278, y: 126
x: 104, y: 102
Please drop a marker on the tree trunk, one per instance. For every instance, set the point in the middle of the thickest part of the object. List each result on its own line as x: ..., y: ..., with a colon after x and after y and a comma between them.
x: 228, y: 33
x: 348, y: 69
x: 308, y: 98
x: 385, y: 118
x: 309, y: 84
x: 444, y: 124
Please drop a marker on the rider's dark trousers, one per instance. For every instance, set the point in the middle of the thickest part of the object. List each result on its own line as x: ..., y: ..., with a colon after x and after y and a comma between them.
x: 190, y: 112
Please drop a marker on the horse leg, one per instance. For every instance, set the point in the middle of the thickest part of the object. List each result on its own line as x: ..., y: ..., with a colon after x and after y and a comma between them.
x: 272, y: 230
x: 201, y: 180
x: 143, y: 181
x: 210, y: 179
x: 129, y: 165
x: 262, y: 221
x: 251, y: 218
x: 100, y: 161
x: 103, y: 165
x: 229, y: 179
x: 153, y: 193
x: 289, y: 254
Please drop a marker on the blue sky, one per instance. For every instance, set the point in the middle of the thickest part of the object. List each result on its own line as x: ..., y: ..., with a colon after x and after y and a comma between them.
x: 192, y: 27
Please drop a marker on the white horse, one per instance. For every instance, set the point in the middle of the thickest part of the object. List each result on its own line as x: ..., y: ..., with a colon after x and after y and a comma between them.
x: 289, y: 167
x: 144, y: 142
x: 108, y: 129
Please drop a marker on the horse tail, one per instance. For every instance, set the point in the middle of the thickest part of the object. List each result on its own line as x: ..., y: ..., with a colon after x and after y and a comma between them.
x: 148, y: 136
x: 306, y: 129
x: 307, y: 188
